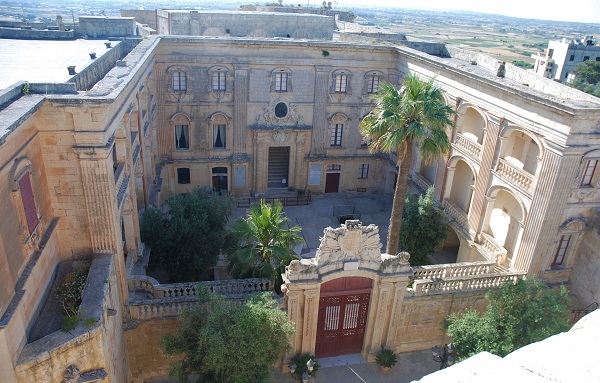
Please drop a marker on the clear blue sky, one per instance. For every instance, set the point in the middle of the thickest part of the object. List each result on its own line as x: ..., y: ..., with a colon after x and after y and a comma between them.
x: 570, y: 10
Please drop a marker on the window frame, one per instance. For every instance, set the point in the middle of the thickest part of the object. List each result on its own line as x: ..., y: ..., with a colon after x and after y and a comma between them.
x: 221, y: 81
x: 343, y: 78
x: 561, y: 251
x: 186, y: 135
x: 587, y: 179
x: 180, y: 176
x: 176, y: 81
x: 219, y: 129
x: 363, y: 171
x: 372, y: 82
x: 337, y: 131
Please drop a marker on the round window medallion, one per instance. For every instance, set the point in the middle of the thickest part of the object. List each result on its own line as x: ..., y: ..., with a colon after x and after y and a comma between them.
x: 281, y: 110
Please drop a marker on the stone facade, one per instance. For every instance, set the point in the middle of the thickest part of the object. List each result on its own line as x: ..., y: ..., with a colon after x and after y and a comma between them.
x: 252, y: 116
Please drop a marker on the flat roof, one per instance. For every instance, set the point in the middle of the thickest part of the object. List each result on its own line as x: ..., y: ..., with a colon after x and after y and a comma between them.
x: 45, y: 61
x: 217, y: 11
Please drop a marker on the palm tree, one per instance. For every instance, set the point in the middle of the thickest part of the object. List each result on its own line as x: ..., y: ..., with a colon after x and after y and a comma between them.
x: 261, y: 243
x: 415, y: 113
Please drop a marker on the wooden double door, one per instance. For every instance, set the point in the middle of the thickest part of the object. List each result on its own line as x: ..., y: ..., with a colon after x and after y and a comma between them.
x: 343, y: 311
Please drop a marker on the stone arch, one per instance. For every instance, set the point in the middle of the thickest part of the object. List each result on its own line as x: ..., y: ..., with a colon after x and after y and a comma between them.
x: 461, y: 180
x: 518, y: 152
x: 471, y: 122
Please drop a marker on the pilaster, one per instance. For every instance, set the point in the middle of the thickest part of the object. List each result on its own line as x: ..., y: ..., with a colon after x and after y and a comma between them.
x: 311, y: 312
x: 294, y: 305
x: 240, y: 96
x: 320, y: 125
x: 482, y: 179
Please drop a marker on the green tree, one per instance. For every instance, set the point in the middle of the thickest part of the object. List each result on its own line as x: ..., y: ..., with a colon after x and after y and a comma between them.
x: 187, y: 239
x: 415, y: 113
x: 225, y: 342
x: 517, y: 315
x: 587, y: 77
x: 423, y: 227
x: 262, y: 244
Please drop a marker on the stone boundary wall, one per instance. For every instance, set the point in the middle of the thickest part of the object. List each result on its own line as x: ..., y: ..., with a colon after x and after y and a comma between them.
x: 11, y: 93
x: 35, y: 34
x: 522, y: 76
x: 147, y: 17
x: 242, y: 24
x: 96, y: 27
x: 419, y: 323
x: 435, y: 49
x: 96, y: 350
x: 96, y: 71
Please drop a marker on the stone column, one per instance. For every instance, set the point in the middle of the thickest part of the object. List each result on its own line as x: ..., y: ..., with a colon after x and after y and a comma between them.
x: 482, y: 179
x: 320, y: 124
x: 311, y: 313
x: 299, y: 177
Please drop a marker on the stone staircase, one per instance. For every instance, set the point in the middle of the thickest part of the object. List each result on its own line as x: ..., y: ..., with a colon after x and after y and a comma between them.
x: 278, y: 167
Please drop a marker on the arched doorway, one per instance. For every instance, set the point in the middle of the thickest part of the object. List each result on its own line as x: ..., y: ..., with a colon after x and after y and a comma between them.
x: 343, y: 311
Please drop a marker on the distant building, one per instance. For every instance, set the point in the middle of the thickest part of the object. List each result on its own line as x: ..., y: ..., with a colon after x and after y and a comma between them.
x: 562, y: 57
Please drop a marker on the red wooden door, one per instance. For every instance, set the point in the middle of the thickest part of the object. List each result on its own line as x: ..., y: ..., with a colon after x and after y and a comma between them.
x: 343, y: 309
x: 332, y: 182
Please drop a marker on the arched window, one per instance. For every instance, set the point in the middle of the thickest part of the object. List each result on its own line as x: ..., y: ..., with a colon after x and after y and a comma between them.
x: 218, y: 127
x: 181, y: 131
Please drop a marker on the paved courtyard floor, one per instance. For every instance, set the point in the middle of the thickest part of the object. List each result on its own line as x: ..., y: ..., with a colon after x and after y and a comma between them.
x: 411, y: 366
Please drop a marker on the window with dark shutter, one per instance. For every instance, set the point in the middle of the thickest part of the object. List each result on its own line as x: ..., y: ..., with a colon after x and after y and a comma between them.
x: 28, y: 202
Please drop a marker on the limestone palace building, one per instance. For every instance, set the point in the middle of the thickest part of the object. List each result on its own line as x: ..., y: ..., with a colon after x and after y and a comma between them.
x: 149, y: 118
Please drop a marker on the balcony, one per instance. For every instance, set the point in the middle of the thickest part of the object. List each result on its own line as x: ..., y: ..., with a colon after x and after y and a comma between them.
x: 453, y: 270
x: 515, y: 175
x: 469, y: 147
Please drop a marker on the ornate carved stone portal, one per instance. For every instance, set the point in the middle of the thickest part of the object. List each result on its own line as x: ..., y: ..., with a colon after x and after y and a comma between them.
x: 352, y: 250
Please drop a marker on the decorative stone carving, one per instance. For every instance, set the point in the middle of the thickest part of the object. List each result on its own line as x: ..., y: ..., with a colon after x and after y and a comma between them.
x: 71, y: 374
x: 395, y: 263
x: 268, y: 116
x: 350, y: 242
x: 279, y: 136
x: 573, y: 225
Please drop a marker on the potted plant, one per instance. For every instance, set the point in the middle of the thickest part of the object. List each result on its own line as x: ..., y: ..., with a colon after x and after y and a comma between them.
x: 385, y: 358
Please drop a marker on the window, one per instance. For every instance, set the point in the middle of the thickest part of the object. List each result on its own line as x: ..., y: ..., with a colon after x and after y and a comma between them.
x: 219, y: 136
x: 363, y: 171
x: 372, y: 83
x: 182, y: 138
x: 588, y: 174
x: 561, y: 249
x: 550, y: 53
x: 597, y: 58
x: 218, y: 81
x: 179, y: 81
x: 281, y: 79
x: 586, y: 58
x: 336, y: 134
x: 183, y: 175
x: 572, y: 57
x: 28, y: 201
x: 341, y: 83
x: 566, y: 75
x: 334, y: 168
x: 364, y: 141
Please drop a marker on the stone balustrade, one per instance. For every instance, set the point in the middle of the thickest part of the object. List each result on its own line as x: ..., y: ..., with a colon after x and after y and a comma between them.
x: 169, y: 300
x: 469, y: 147
x: 495, y: 252
x: 424, y: 287
x: 154, y: 290
x: 453, y: 270
x: 516, y: 176
x: 421, y: 182
x: 456, y: 213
